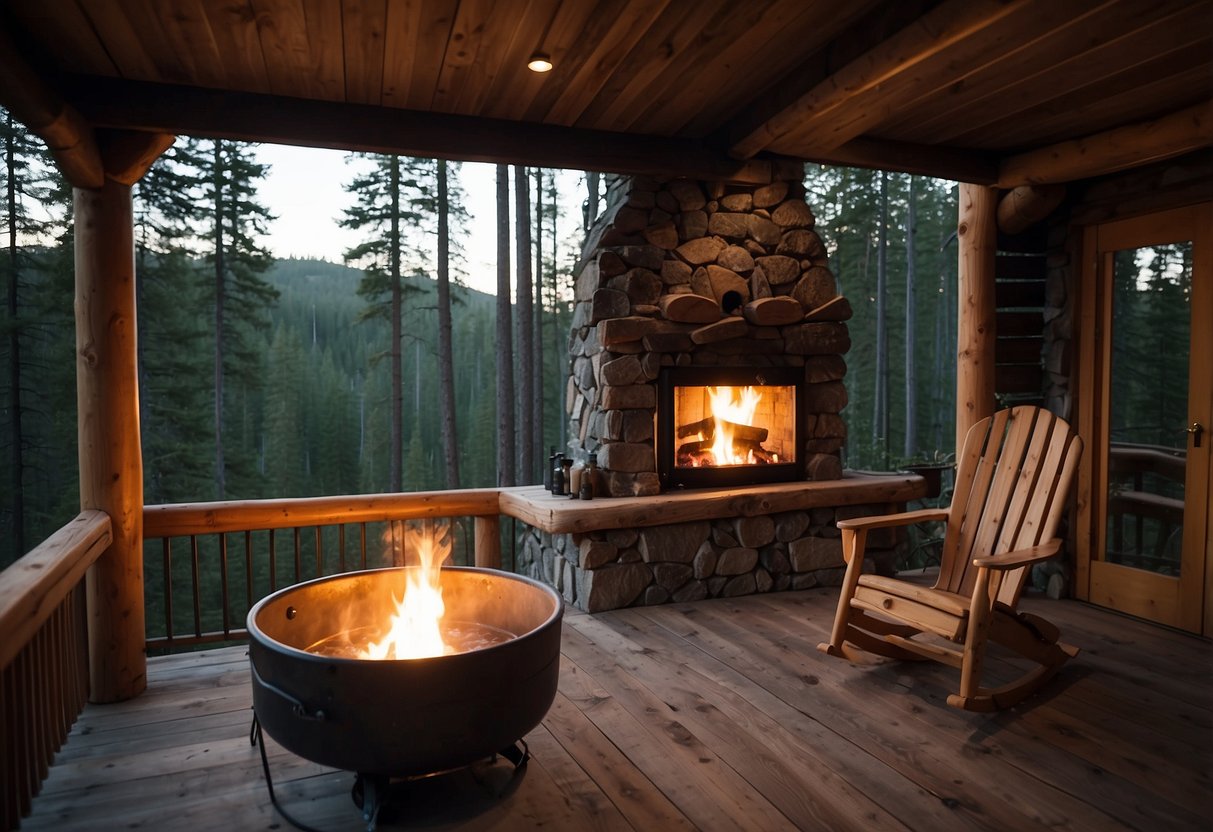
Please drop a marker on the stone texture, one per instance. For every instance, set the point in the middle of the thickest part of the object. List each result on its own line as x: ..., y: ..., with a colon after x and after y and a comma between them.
x: 628, y: 396
x: 692, y: 225
x: 822, y: 368
x: 612, y: 587
x: 828, y: 397
x: 824, y: 467
x: 762, y: 580
x: 689, y: 195
x: 609, y: 303
x: 801, y: 242
x: 815, y: 287
x: 672, y: 544
x: 674, y: 272
x: 793, y: 213
x: 705, y: 561
x: 642, y: 257
x: 622, y: 371
x: 729, y: 226
x: 774, y: 559
x: 596, y: 553
x: 737, y: 202
x: 722, y: 536
x: 641, y: 285
x: 672, y: 575
x: 737, y: 259
x: 663, y: 235
x: 763, y: 230
x: 637, y: 426
x: 610, y: 264
x: 700, y: 251
x: 753, y: 532
x: 629, y: 219
x: 693, y: 591
x: 626, y: 456
x: 621, y: 330
x: 623, y: 484
x: 734, y: 327
x: 810, y: 553
x: 770, y: 195
x: 817, y: 339
x: 736, y: 561
x: 655, y: 595
x: 740, y: 585
x: 779, y: 269
x: 790, y: 525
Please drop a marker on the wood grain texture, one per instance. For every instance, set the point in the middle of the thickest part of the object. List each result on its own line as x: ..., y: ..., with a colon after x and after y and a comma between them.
x: 714, y: 715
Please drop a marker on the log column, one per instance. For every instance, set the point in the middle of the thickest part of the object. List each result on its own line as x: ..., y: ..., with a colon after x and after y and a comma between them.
x: 111, y: 469
x: 975, y: 331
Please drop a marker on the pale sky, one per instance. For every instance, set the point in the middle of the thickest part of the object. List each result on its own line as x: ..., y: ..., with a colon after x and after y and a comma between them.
x: 305, y: 191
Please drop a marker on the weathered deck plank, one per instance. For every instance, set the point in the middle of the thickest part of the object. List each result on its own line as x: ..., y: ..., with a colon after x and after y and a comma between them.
x: 715, y: 715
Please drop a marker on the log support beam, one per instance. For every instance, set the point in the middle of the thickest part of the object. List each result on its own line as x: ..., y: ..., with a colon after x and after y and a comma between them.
x: 111, y: 464
x: 975, y: 331
x: 1023, y: 207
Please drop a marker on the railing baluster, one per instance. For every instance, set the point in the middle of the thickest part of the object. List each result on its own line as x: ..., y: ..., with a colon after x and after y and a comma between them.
x: 341, y: 546
x: 248, y: 571
x: 168, y: 587
x: 319, y: 551
x: 362, y: 544
x: 194, y: 577
x: 273, y: 563
x: 298, y: 555
x: 223, y: 593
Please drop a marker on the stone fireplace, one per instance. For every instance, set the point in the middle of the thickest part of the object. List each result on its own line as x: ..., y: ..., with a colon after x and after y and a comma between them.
x: 703, y: 275
x: 685, y: 286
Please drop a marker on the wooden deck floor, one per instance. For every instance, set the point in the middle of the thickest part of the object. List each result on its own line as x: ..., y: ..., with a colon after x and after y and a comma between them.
x: 714, y: 715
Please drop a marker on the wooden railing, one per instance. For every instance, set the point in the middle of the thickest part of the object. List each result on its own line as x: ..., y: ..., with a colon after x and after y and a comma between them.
x: 206, y: 564
x: 43, y: 655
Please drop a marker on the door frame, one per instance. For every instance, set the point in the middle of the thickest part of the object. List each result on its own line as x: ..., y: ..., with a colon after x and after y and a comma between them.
x: 1187, y: 604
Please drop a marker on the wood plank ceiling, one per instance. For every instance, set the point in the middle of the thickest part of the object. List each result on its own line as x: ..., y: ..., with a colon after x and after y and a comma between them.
x: 700, y: 87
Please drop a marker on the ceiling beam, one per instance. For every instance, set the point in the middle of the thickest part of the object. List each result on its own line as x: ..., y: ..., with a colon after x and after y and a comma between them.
x: 179, y: 110
x: 930, y: 34
x: 1113, y: 150
x: 37, y: 105
x: 956, y: 164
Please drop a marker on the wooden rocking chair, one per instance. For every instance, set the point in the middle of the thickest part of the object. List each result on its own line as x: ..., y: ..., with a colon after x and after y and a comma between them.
x: 1013, y: 477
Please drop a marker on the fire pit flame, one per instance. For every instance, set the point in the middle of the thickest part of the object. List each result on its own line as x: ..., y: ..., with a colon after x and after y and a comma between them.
x: 416, y: 631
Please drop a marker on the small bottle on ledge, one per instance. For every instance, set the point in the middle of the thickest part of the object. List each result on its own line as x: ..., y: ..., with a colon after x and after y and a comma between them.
x: 586, y: 490
x: 558, y: 475
x: 566, y: 478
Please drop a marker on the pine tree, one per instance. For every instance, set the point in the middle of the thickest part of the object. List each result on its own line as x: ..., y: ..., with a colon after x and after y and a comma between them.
x: 241, y: 298
x: 525, y: 340
x: 505, y: 346
x: 446, y: 361
x: 25, y: 184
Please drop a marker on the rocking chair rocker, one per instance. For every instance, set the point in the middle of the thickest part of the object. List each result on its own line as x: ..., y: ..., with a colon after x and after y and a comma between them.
x: 1014, y: 475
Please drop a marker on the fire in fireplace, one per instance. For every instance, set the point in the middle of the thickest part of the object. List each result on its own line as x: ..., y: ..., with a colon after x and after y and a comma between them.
x: 725, y: 426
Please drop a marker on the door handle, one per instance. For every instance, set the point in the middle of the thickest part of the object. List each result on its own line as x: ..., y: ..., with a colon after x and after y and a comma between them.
x: 1196, y: 430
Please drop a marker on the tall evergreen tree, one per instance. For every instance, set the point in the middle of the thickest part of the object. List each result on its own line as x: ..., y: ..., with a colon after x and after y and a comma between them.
x: 241, y: 296
x: 537, y: 432
x: 911, y: 387
x: 505, y: 346
x: 446, y: 360
x: 525, y: 341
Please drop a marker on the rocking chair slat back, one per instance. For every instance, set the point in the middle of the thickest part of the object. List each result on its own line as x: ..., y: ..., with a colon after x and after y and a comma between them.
x: 1012, y: 470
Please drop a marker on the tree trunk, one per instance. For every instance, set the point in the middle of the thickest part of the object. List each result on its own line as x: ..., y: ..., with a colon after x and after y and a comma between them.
x: 880, y: 408
x: 16, y: 471
x: 537, y: 338
x: 396, y: 442
x: 591, y: 202
x: 446, y: 361
x: 911, y: 440
x: 526, y: 341
x: 505, y: 345
x: 220, y: 291
x: 558, y: 346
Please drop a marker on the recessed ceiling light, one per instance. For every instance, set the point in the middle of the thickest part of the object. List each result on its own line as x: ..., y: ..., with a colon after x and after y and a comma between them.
x: 540, y: 62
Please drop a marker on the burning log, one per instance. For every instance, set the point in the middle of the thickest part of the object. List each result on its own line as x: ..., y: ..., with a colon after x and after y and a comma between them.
x: 707, y: 429
x: 699, y: 454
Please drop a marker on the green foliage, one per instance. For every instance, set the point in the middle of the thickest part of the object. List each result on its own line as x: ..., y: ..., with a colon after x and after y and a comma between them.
x: 847, y: 207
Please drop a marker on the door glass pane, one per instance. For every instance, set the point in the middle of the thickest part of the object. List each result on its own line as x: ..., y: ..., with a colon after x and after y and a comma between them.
x: 1149, y: 406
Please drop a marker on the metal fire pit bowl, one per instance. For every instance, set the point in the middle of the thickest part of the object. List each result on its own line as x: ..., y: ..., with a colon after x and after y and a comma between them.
x: 409, y: 717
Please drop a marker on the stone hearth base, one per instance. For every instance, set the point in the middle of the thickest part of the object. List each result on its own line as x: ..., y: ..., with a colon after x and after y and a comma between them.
x: 614, y: 553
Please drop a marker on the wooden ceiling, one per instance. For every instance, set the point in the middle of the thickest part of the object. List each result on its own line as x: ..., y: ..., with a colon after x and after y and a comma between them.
x: 977, y: 90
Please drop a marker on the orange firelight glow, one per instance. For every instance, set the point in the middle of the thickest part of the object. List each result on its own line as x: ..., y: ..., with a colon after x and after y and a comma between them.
x: 415, y: 627
x: 731, y: 406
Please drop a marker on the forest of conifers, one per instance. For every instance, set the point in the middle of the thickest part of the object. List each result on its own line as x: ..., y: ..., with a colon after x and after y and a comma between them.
x: 295, y: 395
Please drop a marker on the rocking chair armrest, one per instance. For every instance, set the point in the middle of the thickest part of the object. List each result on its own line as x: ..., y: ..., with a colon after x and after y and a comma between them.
x: 905, y: 518
x: 1020, y: 557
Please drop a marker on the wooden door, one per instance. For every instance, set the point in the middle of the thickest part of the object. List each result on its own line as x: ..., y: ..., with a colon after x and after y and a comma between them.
x: 1146, y: 406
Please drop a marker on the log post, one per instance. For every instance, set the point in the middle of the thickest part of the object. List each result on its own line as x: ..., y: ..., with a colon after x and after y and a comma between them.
x: 111, y: 465
x: 487, y: 541
x: 975, y: 331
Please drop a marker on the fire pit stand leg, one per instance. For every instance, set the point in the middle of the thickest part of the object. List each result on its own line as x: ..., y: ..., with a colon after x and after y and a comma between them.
x: 370, y: 793
x: 256, y: 738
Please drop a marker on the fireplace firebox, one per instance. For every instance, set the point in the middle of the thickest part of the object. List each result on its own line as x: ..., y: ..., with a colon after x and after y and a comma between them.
x: 729, y: 426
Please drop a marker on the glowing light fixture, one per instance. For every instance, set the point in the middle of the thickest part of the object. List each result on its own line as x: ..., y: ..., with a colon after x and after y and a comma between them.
x: 540, y: 62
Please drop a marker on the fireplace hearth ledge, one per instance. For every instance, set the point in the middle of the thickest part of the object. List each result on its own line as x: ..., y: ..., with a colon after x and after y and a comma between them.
x: 536, y: 507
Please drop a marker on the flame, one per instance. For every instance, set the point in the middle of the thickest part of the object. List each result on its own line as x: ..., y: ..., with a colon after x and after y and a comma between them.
x: 415, y: 632
x: 732, y: 406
